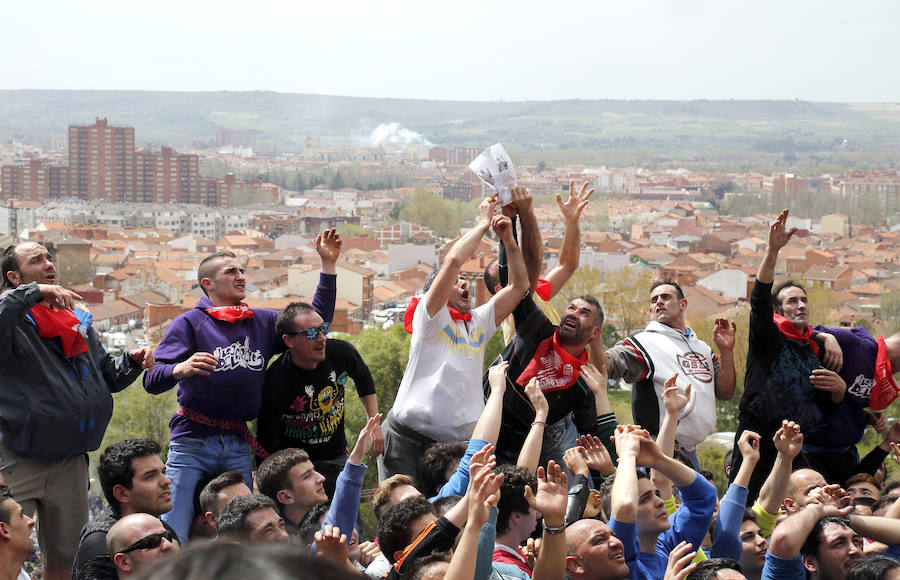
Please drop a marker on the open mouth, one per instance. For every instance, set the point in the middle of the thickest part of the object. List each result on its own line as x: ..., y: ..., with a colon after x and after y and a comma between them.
x: 617, y: 555
x: 571, y: 323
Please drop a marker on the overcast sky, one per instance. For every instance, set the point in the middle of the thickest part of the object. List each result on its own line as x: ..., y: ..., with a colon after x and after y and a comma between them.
x: 826, y: 50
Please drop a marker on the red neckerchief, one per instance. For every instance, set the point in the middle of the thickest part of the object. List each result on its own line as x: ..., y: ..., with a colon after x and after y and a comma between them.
x: 411, y: 310
x: 554, y: 367
x: 231, y: 314
x: 543, y: 289
x: 884, y: 389
x: 59, y: 323
x: 507, y: 557
x: 788, y: 329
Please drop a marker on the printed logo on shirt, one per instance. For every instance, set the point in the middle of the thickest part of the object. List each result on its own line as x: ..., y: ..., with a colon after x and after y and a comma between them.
x: 861, y: 387
x: 239, y: 355
x: 553, y: 374
x: 694, y: 365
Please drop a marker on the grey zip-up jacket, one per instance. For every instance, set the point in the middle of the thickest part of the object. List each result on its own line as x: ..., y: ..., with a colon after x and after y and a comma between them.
x: 53, y: 407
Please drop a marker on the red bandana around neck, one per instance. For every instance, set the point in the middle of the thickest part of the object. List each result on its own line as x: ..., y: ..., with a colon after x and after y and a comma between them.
x: 230, y: 314
x: 788, y: 329
x: 59, y: 323
x: 411, y: 310
x: 554, y: 367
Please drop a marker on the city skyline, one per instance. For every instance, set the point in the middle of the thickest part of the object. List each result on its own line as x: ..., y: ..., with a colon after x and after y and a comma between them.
x: 694, y: 49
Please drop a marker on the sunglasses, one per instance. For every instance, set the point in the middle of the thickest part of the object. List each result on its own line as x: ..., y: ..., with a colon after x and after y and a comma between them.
x: 312, y: 333
x: 150, y: 542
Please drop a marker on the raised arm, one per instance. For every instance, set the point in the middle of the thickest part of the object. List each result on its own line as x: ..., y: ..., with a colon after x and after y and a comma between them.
x: 532, y: 245
x: 723, y: 337
x: 550, y: 500
x: 778, y: 237
x: 789, y: 442
x: 789, y: 535
x: 510, y: 295
x: 571, y: 248
x: 484, y: 492
x: 437, y: 296
x: 624, y: 493
x: 487, y: 428
x: 674, y: 402
x: 530, y: 454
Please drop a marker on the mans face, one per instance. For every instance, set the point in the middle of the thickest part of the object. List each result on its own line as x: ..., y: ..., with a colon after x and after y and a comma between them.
x: 460, y: 299
x: 841, y: 548
x: 266, y: 526
x: 753, y: 548
x: 795, y: 306
x: 149, y: 491
x: 35, y: 265
x: 306, y: 484
x: 137, y: 559
x: 228, y: 286
x: 306, y: 353
x: 598, y: 553
x: 651, y: 513
x: 802, y: 482
x: 577, y: 324
x: 19, y: 530
x: 665, y: 306
x: 229, y: 493
x: 863, y: 489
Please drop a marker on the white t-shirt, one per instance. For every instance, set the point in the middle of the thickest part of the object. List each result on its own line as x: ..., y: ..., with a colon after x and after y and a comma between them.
x: 440, y: 395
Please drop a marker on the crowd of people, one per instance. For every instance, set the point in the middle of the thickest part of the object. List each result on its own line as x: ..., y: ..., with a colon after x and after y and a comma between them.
x: 520, y: 472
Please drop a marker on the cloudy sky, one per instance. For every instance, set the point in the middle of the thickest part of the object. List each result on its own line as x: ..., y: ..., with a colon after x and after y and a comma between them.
x: 826, y: 50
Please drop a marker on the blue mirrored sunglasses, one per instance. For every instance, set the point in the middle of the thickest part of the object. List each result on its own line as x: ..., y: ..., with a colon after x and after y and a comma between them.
x: 312, y: 333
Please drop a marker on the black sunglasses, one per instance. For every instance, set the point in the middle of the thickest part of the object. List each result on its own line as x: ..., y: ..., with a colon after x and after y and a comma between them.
x: 150, y: 542
x: 312, y: 333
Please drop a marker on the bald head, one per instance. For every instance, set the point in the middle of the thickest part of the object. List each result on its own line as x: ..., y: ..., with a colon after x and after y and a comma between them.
x: 593, y: 552
x: 800, y: 484
x: 130, y: 530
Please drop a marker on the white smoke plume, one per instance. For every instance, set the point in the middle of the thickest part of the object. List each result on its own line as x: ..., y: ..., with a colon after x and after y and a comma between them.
x: 397, y: 135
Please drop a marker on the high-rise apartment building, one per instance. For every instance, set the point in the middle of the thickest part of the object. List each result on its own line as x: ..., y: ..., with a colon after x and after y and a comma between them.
x: 101, y: 162
x: 38, y: 180
x: 166, y: 177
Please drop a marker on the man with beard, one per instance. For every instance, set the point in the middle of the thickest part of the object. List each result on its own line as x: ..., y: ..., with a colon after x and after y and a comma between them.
x: 665, y: 347
x: 553, y: 356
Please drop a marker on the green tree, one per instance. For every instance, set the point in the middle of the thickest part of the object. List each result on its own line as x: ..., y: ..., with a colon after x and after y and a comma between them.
x: 443, y: 217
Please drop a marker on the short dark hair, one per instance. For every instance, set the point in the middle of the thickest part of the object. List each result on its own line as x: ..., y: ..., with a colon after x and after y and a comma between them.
x: 749, y: 516
x: 393, y: 528
x: 115, y: 468
x: 434, y: 463
x: 416, y: 569
x: 9, y: 263
x: 310, y: 523
x: 512, y: 494
x: 709, y: 569
x: 891, y: 486
x: 668, y: 282
x: 874, y: 568
x: 429, y: 280
x: 861, y: 478
x: 209, y: 496
x: 284, y: 324
x: 598, y: 317
x: 273, y: 474
x: 491, y: 275
x: 208, y: 265
x: 6, y: 495
x: 776, y: 303
x: 445, y: 504
x: 884, y: 502
x: 228, y: 561
x: 233, y: 521
x: 814, y: 539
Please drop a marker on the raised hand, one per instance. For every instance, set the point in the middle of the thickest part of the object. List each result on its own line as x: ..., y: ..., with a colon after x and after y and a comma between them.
x: 748, y: 445
x: 778, y: 234
x: 537, y: 399
x: 594, y: 378
x: 521, y: 202
x: 332, y: 544
x: 487, y: 208
x: 833, y: 358
x: 328, y: 246
x: 827, y: 380
x: 502, y: 226
x: 497, y: 376
x: 724, y: 333
x: 596, y: 455
x: 368, y: 551
x: 484, y: 493
x: 673, y: 400
x: 368, y: 436
x: 200, y: 363
x: 575, y: 462
x: 788, y: 439
x: 552, y: 495
x: 680, y: 562
x: 571, y: 208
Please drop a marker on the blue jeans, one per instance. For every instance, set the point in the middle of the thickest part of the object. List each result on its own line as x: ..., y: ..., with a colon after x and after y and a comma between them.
x: 189, y: 460
x: 558, y: 437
